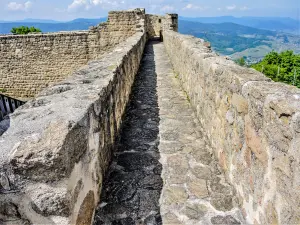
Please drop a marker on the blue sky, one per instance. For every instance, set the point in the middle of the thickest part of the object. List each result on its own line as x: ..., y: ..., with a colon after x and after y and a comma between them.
x: 70, y: 9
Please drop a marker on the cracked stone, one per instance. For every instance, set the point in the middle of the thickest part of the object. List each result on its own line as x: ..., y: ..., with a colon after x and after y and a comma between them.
x: 198, y: 188
x: 224, y: 220
x: 175, y: 195
x: 202, y: 156
x: 202, y: 172
x: 170, y: 219
x: 8, y: 211
x: 222, y: 202
x: 195, y: 211
x: 177, y: 167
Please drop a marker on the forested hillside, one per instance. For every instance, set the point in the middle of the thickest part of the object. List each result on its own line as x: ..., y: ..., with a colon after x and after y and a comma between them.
x: 241, y: 41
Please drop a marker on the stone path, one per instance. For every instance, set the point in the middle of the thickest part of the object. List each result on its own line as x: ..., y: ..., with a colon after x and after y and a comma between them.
x: 133, y: 185
x: 194, y: 189
x: 163, y: 171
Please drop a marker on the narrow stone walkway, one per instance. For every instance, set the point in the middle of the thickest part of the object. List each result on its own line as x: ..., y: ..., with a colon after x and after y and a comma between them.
x: 133, y: 185
x: 163, y: 171
x: 194, y: 189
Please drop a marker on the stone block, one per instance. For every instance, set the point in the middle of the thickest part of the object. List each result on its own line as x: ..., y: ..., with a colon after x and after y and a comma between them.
x: 254, y: 141
x: 240, y: 103
x: 198, y: 188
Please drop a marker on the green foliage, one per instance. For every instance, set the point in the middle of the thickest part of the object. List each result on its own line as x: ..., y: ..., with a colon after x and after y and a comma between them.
x: 241, y: 61
x: 24, y: 30
x: 282, y: 67
x: 3, y: 90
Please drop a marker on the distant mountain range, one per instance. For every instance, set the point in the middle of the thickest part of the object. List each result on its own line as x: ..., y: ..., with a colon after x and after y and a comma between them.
x: 283, y: 24
x: 279, y: 24
x: 252, y: 37
x: 51, y: 25
x: 241, y: 41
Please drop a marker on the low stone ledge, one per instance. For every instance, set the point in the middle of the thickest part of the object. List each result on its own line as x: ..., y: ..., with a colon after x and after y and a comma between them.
x: 253, y: 126
x: 63, y: 139
x: 55, y: 34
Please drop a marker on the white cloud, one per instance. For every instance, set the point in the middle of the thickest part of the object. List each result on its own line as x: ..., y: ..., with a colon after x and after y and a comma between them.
x: 219, y: 9
x: 76, y: 4
x: 87, y: 4
x: 96, y: 2
x: 231, y: 7
x: 14, y: 6
x: 194, y: 7
x: 244, y: 8
x: 167, y: 8
x: 188, y: 6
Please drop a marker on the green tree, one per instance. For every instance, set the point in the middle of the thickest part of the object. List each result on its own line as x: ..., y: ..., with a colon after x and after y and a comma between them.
x: 241, y: 61
x: 281, y: 67
x: 24, y: 30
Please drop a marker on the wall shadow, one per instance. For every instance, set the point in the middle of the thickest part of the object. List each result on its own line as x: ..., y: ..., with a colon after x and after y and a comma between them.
x: 4, y: 124
x: 132, y: 187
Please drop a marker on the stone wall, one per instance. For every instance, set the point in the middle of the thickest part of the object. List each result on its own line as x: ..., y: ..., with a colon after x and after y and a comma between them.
x: 30, y: 63
x: 56, y: 151
x: 154, y: 25
x: 253, y: 125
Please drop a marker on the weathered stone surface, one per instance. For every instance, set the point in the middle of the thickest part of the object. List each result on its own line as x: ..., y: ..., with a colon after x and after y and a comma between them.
x: 86, y: 210
x: 224, y: 220
x: 47, y: 200
x: 67, y: 134
x: 222, y: 202
x: 133, y: 185
x: 175, y: 195
x: 202, y: 172
x: 190, y: 172
x: 254, y: 141
x: 198, y: 188
x: 195, y: 211
x: 4, y: 125
x: 240, y: 103
x: 57, y: 54
x: 4, y: 182
x: 251, y: 123
x: 8, y: 211
x: 171, y: 219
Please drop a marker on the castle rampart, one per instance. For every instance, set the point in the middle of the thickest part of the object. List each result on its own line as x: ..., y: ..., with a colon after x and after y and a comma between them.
x: 70, y: 128
x: 252, y: 124
x: 32, y: 62
x: 55, y: 154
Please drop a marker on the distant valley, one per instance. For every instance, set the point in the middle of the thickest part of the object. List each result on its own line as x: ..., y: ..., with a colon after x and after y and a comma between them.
x: 241, y: 41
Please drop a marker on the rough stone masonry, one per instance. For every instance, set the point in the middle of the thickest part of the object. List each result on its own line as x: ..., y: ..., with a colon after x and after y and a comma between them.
x: 227, y: 142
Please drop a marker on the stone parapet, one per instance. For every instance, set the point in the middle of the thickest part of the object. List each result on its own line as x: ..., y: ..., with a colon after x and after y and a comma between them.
x: 253, y: 125
x: 30, y: 63
x: 57, y: 149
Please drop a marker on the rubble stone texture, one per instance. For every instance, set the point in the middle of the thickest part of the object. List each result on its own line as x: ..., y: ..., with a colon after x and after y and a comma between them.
x: 32, y: 62
x: 252, y: 125
x: 201, y: 140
